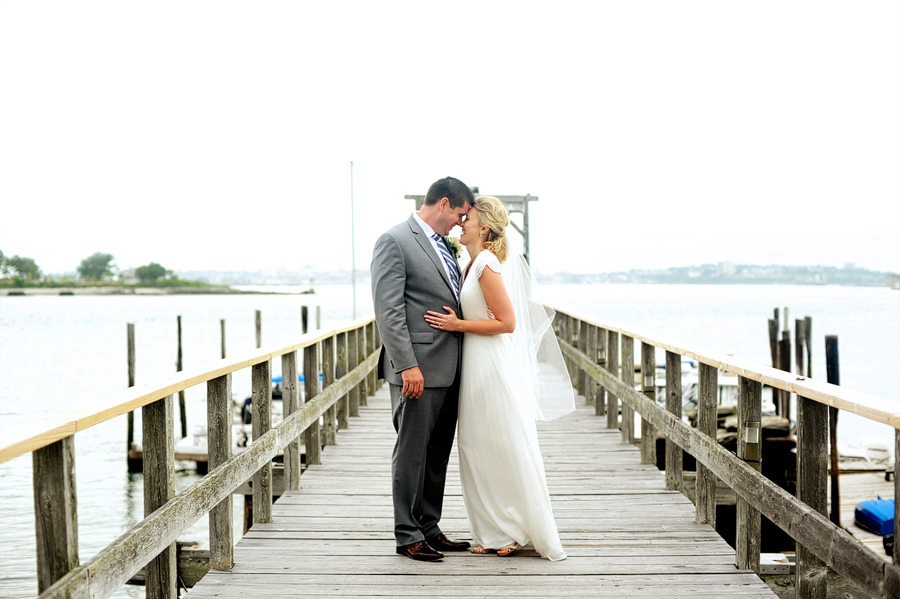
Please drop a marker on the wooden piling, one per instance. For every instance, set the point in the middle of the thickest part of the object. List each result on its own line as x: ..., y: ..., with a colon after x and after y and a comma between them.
x: 590, y: 396
x: 648, y: 388
x: 773, y: 340
x: 749, y: 522
x: 222, y: 328
x: 318, y: 317
x: 130, y: 436
x: 329, y: 418
x: 361, y: 344
x: 674, y: 456
x: 600, y: 398
x: 784, y: 356
x: 258, y: 329
x: 799, y: 345
x: 707, y: 404
x: 261, y: 397
x: 158, y: 443
x: 612, y: 364
x: 833, y: 372
x: 342, y: 358
x: 290, y: 400
x: 353, y: 362
x: 304, y: 319
x: 179, y: 366
x: 812, y: 468
x: 628, y: 378
x: 55, y: 510
x: 312, y: 436
x: 218, y: 418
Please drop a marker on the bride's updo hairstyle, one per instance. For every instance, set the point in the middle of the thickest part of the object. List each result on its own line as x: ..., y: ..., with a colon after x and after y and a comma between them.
x: 493, y: 213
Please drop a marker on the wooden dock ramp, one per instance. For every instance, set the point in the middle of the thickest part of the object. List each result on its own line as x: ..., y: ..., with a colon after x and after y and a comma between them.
x: 625, y: 535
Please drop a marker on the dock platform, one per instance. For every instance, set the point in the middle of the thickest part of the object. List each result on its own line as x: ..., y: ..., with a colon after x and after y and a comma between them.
x: 624, y: 533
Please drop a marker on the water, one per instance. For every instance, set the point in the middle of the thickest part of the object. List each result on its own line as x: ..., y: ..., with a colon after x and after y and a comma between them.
x: 59, y: 353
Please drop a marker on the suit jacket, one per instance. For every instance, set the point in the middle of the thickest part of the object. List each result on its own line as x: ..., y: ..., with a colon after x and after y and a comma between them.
x: 408, y: 279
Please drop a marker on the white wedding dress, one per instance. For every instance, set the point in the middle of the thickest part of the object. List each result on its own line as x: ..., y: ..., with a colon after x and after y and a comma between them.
x: 500, y: 464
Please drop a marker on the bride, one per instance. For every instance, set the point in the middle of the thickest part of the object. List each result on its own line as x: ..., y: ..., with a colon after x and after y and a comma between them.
x: 506, y: 383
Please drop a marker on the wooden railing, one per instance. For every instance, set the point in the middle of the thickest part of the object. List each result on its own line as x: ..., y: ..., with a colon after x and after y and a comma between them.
x: 346, y: 358
x: 593, y: 349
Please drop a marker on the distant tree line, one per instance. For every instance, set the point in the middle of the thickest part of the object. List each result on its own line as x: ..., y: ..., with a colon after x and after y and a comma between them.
x: 99, y: 266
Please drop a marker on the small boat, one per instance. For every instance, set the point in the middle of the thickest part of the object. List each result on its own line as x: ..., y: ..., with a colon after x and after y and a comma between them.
x: 876, y: 515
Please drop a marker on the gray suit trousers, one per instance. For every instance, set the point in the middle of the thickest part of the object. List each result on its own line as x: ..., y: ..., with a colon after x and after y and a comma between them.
x: 425, y: 428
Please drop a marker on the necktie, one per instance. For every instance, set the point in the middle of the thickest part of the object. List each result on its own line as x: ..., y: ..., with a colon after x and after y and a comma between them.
x: 451, y: 263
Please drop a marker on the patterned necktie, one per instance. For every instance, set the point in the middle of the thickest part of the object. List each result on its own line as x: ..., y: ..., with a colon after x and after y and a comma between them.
x: 451, y: 263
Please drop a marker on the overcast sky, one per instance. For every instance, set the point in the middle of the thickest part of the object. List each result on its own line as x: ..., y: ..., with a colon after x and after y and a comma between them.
x: 218, y: 135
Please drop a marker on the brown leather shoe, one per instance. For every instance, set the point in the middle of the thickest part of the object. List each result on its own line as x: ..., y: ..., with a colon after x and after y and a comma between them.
x: 420, y: 551
x: 444, y: 544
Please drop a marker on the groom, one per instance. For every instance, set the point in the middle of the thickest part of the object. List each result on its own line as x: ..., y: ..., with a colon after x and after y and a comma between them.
x: 414, y: 271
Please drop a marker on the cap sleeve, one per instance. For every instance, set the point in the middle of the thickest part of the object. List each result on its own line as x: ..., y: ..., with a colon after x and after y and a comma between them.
x: 490, y: 260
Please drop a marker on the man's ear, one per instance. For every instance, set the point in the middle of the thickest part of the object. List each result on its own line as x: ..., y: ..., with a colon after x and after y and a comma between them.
x: 442, y: 205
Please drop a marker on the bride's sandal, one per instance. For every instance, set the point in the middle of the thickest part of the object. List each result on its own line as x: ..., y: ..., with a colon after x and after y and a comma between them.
x: 507, y: 551
x: 481, y: 550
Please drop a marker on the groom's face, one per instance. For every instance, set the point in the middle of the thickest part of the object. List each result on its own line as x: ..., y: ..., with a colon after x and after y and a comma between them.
x: 450, y: 217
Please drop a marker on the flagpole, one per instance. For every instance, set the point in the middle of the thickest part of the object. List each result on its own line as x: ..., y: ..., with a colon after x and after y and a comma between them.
x: 352, y: 242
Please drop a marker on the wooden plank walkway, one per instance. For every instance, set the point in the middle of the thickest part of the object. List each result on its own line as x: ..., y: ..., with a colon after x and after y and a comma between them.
x: 625, y: 535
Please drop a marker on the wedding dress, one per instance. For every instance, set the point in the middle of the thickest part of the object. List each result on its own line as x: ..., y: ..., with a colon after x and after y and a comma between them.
x: 501, y: 469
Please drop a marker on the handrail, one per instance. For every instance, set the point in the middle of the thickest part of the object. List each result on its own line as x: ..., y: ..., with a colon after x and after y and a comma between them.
x: 591, y: 347
x: 868, y: 406
x: 64, y: 424
x: 345, y: 358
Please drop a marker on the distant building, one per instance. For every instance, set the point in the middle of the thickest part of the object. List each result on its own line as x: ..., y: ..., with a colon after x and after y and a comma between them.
x: 725, y: 269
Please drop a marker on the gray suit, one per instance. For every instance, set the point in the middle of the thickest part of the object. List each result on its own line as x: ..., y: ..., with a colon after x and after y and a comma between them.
x: 408, y: 278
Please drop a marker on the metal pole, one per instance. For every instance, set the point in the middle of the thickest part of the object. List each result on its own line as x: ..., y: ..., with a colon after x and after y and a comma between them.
x: 352, y: 242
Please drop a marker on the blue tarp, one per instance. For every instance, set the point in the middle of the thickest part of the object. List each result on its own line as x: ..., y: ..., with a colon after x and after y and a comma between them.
x: 876, y: 515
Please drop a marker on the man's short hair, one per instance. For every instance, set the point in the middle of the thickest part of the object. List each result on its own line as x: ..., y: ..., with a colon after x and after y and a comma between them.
x: 451, y: 188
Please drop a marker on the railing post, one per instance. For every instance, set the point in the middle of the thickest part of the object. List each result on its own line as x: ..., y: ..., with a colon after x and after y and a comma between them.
x: 628, y: 378
x: 353, y: 362
x: 361, y: 356
x: 612, y: 364
x: 343, y: 411
x: 312, y: 436
x: 370, y: 347
x: 218, y: 419
x: 749, y: 430
x: 581, y: 381
x: 812, y: 477
x: 648, y: 388
x: 55, y: 511
x: 590, y: 394
x: 261, y: 378
x: 600, y: 399
x: 896, y: 495
x: 290, y: 401
x: 674, y: 456
x: 327, y: 379
x: 378, y: 382
x: 707, y: 419
x: 158, y: 440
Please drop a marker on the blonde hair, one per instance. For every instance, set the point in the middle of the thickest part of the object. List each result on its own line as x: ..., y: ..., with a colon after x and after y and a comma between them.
x: 492, y: 213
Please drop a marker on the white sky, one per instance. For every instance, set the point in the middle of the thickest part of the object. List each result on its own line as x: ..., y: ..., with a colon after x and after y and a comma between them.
x: 218, y: 135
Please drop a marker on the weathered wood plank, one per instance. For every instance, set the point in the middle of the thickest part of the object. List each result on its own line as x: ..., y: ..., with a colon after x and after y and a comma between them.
x: 628, y: 379
x: 312, y: 437
x: 261, y: 394
x: 707, y: 402
x: 290, y: 401
x: 648, y: 388
x: 343, y: 406
x: 812, y: 477
x: 328, y: 373
x: 218, y: 418
x: 158, y: 440
x: 749, y: 438
x: 612, y: 364
x: 55, y: 511
x: 674, y: 459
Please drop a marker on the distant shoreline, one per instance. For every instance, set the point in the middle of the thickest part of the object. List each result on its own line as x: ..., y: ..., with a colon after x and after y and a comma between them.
x: 108, y: 290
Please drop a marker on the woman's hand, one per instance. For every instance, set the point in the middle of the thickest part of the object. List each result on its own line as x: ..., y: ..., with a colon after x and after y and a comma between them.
x: 444, y: 322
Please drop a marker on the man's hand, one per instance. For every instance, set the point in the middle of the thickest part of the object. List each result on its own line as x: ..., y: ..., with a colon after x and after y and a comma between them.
x: 413, y: 382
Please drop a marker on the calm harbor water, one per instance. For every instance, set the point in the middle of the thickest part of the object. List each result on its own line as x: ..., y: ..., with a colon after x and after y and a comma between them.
x: 59, y: 353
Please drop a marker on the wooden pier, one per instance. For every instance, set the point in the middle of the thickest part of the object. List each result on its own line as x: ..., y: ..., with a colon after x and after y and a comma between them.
x: 625, y: 535
x: 629, y: 529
